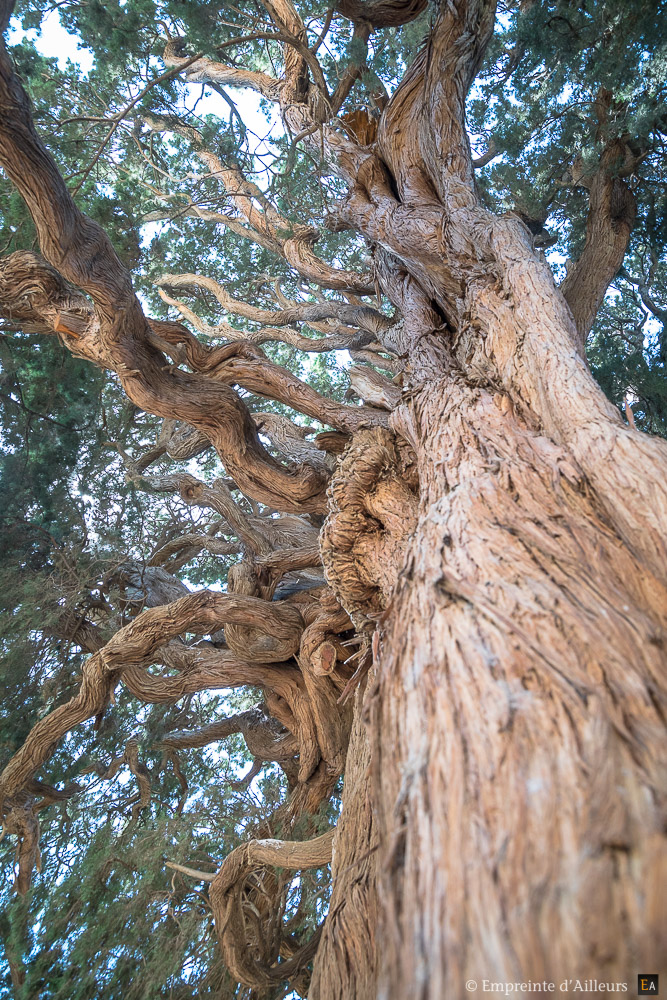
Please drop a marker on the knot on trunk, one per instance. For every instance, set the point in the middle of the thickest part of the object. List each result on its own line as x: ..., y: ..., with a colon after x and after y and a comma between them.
x: 36, y: 296
x: 373, y: 512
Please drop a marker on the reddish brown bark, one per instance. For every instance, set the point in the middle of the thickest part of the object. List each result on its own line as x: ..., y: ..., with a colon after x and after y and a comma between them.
x: 347, y: 956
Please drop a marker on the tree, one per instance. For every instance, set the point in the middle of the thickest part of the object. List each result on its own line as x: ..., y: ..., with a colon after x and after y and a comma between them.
x: 482, y: 657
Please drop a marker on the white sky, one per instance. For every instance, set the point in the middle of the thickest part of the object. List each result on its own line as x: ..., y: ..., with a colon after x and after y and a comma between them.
x: 56, y: 42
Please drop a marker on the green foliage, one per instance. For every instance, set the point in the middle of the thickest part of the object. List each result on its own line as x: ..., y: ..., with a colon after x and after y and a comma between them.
x: 107, y: 916
x: 537, y: 101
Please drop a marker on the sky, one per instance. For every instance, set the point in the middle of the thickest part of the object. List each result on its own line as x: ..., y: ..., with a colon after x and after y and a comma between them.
x: 56, y: 42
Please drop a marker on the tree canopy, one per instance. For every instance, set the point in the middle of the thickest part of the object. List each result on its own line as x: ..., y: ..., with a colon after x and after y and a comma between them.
x: 231, y: 221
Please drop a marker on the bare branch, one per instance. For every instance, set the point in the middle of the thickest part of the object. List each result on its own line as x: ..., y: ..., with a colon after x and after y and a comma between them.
x: 491, y: 153
x: 268, y: 222
x: 243, y: 363
x: 117, y: 338
x: 191, y: 872
x: 341, y: 340
x: 208, y: 404
x: 203, y: 70
x: 364, y: 317
x: 266, y: 738
x: 136, y: 644
x: 238, y: 938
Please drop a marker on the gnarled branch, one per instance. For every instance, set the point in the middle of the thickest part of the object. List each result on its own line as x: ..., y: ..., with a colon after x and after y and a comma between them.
x: 250, y: 955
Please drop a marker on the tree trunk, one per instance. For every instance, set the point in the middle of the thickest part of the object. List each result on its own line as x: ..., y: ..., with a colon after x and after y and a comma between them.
x: 517, y: 725
x: 519, y: 731
x: 345, y: 965
x: 517, y: 722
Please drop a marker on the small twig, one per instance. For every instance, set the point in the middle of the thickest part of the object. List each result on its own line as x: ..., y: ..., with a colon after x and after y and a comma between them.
x: 120, y: 115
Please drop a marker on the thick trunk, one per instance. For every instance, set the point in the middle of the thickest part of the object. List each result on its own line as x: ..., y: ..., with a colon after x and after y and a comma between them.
x: 519, y: 735
x: 517, y: 722
x: 517, y: 727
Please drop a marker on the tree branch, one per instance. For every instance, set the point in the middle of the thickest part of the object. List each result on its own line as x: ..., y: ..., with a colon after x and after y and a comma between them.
x: 381, y: 13
x: 82, y: 253
x: 209, y: 405
x: 296, y: 248
x: 238, y: 938
x: 136, y: 644
x: 611, y: 216
x: 364, y: 317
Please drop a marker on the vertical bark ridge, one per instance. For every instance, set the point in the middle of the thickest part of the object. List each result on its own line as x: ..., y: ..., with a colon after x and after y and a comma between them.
x: 611, y: 216
x: 526, y: 703
x: 345, y: 967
